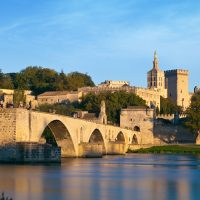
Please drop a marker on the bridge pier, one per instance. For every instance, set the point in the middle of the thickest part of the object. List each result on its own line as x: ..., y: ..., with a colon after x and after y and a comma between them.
x: 116, y: 148
x: 90, y: 150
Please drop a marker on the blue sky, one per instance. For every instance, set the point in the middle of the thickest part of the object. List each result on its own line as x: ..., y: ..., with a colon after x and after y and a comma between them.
x: 108, y: 39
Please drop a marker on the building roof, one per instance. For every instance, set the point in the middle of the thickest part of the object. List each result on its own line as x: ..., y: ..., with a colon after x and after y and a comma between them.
x: 57, y: 93
x: 139, y: 108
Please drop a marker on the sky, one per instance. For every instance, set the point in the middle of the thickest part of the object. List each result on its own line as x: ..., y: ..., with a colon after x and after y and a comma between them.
x: 107, y: 39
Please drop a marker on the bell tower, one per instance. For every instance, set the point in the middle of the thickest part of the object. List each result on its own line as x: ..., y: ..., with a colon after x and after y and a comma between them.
x: 156, y: 78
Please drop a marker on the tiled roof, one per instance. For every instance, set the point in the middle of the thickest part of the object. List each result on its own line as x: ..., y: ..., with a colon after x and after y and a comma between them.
x: 57, y: 93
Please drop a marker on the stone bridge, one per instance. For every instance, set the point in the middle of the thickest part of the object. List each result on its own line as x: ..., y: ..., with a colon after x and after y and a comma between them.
x: 76, y: 137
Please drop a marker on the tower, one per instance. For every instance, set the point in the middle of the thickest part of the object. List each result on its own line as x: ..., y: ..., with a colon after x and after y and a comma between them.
x: 156, y: 78
x: 177, y: 83
x: 102, y: 114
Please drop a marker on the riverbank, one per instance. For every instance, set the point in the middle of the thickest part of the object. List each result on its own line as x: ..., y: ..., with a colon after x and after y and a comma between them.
x: 176, y: 149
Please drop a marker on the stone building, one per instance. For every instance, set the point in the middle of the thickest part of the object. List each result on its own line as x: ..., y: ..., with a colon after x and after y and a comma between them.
x: 171, y: 84
x: 139, y: 119
x: 114, y: 84
x: 177, y: 84
x: 53, y: 97
x: 6, y: 98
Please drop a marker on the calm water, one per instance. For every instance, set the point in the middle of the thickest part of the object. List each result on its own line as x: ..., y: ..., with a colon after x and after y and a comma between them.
x: 129, y: 177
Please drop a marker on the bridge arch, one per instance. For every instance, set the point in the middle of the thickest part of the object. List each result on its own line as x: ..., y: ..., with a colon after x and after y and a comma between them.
x: 57, y: 133
x: 120, y: 138
x: 134, y: 139
x: 96, y: 137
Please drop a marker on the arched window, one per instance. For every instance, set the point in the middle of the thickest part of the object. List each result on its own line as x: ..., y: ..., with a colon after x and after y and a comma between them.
x: 137, y: 128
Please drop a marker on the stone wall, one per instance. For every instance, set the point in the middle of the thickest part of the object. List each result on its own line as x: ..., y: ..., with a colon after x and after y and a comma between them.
x: 29, y: 153
x: 7, y: 126
x: 169, y: 133
x: 90, y: 150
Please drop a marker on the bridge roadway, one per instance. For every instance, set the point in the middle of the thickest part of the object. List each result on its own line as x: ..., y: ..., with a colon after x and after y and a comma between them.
x: 76, y: 137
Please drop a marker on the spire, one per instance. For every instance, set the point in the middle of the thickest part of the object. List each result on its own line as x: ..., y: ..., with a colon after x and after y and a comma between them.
x: 155, y: 62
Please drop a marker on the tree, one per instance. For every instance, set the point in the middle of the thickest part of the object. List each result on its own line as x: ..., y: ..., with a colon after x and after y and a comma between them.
x: 62, y: 108
x: 5, y: 81
x: 193, y: 113
x: 18, y: 97
x: 76, y: 80
x: 168, y: 107
x: 39, y: 80
x: 114, y: 103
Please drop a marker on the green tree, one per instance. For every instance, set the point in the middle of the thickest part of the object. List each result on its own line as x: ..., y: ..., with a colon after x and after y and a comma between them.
x: 39, y: 80
x: 5, y: 81
x: 76, y: 80
x: 114, y: 103
x: 62, y: 109
x: 18, y: 97
x: 193, y: 113
x: 168, y: 107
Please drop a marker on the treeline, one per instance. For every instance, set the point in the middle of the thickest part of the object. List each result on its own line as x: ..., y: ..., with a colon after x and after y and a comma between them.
x: 39, y: 80
x: 193, y: 114
x: 91, y: 102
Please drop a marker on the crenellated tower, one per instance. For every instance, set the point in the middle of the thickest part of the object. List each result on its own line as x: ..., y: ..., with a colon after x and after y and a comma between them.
x: 177, y: 83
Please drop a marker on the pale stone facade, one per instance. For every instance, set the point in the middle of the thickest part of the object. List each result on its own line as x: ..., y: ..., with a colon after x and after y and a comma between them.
x: 58, y: 97
x: 6, y: 97
x: 102, y: 115
x: 177, y: 83
x: 140, y: 119
x: 114, y: 84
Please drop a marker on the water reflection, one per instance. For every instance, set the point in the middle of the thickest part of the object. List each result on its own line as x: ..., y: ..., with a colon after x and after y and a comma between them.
x: 130, y: 177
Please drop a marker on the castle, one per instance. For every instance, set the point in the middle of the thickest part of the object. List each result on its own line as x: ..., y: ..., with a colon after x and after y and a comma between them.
x: 172, y: 84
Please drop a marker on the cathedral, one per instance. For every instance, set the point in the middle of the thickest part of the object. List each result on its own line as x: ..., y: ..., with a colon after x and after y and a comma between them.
x: 172, y: 84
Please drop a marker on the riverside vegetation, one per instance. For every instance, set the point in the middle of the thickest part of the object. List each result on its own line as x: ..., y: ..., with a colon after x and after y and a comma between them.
x: 178, y: 149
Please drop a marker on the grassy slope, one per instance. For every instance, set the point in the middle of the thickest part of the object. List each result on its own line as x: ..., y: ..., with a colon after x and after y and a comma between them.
x: 194, y: 149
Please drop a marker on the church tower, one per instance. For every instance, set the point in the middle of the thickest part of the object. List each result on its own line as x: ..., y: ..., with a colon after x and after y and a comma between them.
x: 156, y: 78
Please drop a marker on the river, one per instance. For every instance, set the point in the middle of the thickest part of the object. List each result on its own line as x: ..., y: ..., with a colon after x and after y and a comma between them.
x: 134, y: 176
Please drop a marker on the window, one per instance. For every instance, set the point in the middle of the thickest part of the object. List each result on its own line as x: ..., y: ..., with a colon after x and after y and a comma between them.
x: 136, y: 128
